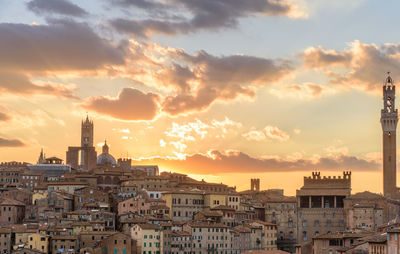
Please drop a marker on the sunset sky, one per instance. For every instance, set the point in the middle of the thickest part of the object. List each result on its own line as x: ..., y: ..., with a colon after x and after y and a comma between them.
x: 223, y: 90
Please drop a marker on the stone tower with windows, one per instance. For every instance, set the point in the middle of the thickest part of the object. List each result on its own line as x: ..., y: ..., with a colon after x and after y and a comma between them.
x: 86, y: 137
x: 88, y: 155
x: 87, y: 133
x: 389, y: 120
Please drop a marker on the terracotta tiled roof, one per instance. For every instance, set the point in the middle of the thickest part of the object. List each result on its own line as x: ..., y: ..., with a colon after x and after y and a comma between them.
x: 97, y: 232
x: 266, y: 252
x: 264, y: 223
x: 366, y: 195
x: 66, y: 183
x: 5, y: 230
x: 11, y: 202
x: 148, y: 226
x: 180, y: 233
x: 242, y: 229
x: 66, y: 237
x: 206, y: 225
x: 223, y: 207
x: 342, y: 235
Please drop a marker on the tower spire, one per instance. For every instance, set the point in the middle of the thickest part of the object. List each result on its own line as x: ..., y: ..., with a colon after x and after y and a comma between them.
x: 389, y: 80
x: 42, y: 157
x: 105, y: 147
x: 87, y: 118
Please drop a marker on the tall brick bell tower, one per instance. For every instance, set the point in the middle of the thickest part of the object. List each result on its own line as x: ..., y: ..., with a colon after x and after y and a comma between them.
x: 389, y: 120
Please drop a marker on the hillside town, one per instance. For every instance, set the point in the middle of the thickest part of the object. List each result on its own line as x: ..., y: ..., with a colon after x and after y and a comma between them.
x: 97, y: 204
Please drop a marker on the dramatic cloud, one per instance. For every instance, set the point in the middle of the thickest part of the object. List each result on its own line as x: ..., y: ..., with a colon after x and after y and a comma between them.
x: 4, y: 117
x: 19, y: 84
x: 362, y: 65
x: 273, y: 132
x: 269, y: 132
x: 181, y: 135
x: 131, y: 104
x: 193, y: 82
x: 4, y: 142
x: 205, y: 14
x: 319, y: 58
x: 63, y: 7
x: 238, y: 162
x: 60, y: 46
x: 209, y: 78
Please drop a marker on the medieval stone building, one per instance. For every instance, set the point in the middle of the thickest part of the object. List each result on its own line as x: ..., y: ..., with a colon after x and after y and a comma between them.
x: 320, y: 205
x: 389, y: 120
x: 84, y: 156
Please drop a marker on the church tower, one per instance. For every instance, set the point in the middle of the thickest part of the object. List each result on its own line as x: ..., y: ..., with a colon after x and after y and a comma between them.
x: 87, y: 133
x: 86, y: 138
x: 389, y: 120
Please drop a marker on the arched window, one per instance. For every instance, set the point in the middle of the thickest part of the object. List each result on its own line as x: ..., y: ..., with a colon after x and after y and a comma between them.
x: 107, y: 180
x: 304, y: 236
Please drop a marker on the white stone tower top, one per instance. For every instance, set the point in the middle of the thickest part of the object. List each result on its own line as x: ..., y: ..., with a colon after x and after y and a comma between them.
x: 389, y: 116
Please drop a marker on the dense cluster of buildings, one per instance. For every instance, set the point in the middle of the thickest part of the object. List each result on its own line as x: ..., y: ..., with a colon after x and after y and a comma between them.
x: 97, y: 204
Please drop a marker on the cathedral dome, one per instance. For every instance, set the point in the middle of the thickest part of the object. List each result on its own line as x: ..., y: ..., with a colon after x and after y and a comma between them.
x: 105, y: 158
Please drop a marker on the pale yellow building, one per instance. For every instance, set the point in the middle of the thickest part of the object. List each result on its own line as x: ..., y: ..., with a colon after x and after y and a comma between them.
x: 37, y: 241
x: 38, y: 195
x: 21, y: 236
x: 233, y: 201
x: 212, y: 200
x: 184, y: 204
x: 148, y: 238
x: 270, y: 232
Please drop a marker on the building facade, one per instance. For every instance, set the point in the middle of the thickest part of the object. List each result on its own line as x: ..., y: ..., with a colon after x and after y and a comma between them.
x: 320, y: 205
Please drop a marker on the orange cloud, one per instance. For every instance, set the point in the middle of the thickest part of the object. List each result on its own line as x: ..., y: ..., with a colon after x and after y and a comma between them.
x: 15, y: 83
x: 319, y: 57
x: 219, y: 79
x: 200, y: 79
x: 361, y: 65
x: 130, y: 104
x: 269, y: 132
x: 215, y: 162
x: 4, y: 117
x: 4, y: 142
x: 182, y: 136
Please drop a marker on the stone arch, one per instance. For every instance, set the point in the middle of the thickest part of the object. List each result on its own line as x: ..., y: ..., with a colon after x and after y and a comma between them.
x: 107, y: 180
